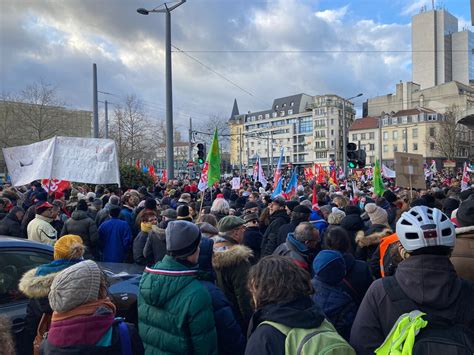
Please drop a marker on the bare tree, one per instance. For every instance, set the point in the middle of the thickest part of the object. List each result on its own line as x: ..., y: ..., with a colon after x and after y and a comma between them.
x: 449, y: 135
x: 210, y: 124
x: 39, y: 115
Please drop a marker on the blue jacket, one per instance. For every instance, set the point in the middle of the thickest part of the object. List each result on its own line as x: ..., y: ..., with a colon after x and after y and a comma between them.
x: 127, y: 215
x: 337, y: 305
x: 230, y: 338
x: 319, y: 223
x: 114, y: 240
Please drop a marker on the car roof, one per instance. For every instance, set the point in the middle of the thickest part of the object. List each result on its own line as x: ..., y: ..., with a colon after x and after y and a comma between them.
x: 12, y: 242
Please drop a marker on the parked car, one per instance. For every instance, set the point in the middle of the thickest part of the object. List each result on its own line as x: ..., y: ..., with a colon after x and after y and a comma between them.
x: 17, y: 256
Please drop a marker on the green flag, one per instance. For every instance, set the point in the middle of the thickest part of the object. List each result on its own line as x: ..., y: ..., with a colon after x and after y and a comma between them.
x: 214, y: 161
x: 379, y: 187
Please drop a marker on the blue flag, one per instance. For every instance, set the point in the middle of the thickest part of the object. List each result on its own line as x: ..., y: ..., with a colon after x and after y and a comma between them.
x: 292, y: 185
x: 279, y: 188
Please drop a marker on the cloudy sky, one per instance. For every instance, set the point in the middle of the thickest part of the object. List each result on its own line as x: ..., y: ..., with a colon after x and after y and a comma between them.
x: 264, y: 48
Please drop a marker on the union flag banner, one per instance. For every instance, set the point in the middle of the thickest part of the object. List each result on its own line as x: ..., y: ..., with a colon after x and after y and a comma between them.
x: 55, y: 185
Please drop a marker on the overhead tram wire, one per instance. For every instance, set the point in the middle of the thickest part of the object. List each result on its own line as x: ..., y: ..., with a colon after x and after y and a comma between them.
x: 312, y: 51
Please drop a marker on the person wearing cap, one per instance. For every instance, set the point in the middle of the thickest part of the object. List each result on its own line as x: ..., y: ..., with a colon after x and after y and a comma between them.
x: 184, y: 199
x: 298, y: 215
x: 183, y: 213
x: 424, y: 280
x: 463, y: 253
x: 11, y: 224
x: 104, y: 214
x: 80, y: 224
x: 36, y: 284
x: 251, y: 207
x: 40, y: 228
x: 167, y: 216
x: 301, y: 246
x: 232, y: 261
x: 252, y: 235
x: 94, y: 208
x: 83, y: 320
x: 39, y: 197
x: 175, y: 313
x: 278, y: 218
x: 115, y: 238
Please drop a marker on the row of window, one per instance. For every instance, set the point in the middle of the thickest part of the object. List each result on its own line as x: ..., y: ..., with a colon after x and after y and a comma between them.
x: 410, y: 119
x: 292, y: 103
x: 362, y: 136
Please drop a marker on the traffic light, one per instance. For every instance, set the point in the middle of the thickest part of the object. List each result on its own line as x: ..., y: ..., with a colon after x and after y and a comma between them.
x: 352, y: 155
x: 201, y: 153
x: 361, y: 159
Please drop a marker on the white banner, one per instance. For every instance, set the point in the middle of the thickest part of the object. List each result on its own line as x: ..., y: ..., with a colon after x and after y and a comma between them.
x: 236, y: 183
x: 388, y: 173
x: 87, y: 160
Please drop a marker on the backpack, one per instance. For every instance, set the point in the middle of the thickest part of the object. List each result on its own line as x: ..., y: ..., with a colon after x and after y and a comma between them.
x: 323, y: 340
x: 441, y: 335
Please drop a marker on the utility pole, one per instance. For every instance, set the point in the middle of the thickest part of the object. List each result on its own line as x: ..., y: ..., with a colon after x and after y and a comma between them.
x: 271, y: 151
x: 268, y: 156
x: 190, y: 153
x: 380, y: 138
x: 344, y: 133
x: 95, y: 103
x: 169, y: 94
x: 240, y: 150
x: 106, y: 119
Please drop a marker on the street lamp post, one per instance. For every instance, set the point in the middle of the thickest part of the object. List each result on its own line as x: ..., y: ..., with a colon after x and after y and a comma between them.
x: 169, y: 95
x: 344, y: 132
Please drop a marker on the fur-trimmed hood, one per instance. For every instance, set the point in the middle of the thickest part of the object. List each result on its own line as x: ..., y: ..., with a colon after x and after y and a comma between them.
x: 363, y: 240
x: 465, y: 230
x: 36, y: 286
x: 234, y: 255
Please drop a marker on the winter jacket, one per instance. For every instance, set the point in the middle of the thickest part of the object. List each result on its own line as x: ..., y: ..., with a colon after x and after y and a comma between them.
x: 267, y: 340
x: 40, y: 230
x: 368, y: 241
x: 232, y: 263
x: 230, y: 338
x: 358, y: 278
x: 253, y: 240
x: 337, y: 305
x: 353, y: 223
x: 126, y: 214
x: 36, y: 286
x: 429, y: 280
x: 114, y: 240
x: 10, y: 226
x: 155, y: 248
x: 83, y: 327
x: 270, y: 238
x: 175, y: 311
x: 138, y: 248
x: 296, y: 251
x: 287, y: 228
x: 103, y: 215
x: 80, y: 224
x: 27, y: 218
x: 462, y: 256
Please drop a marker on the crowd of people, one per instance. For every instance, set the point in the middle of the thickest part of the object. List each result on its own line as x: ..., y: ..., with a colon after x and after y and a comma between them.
x: 330, y: 270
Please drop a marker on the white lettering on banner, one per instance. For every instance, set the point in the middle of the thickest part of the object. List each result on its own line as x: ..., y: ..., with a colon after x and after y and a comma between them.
x: 88, y: 160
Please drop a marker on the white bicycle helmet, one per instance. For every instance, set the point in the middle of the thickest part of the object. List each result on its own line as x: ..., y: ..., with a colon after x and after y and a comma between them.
x: 423, y: 227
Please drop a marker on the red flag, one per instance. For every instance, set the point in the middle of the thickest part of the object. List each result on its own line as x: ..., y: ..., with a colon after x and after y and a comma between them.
x: 137, y: 163
x: 151, y: 171
x: 164, y: 176
x: 55, y: 185
x: 333, y: 175
x: 315, y: 195
x: 319, y: 171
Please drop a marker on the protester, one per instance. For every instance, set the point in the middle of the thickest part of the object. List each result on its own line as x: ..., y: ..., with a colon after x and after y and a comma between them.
x: 39, y: 197
x: 167, y: 216
x: 84, y: 321
x: 175, y: 311
x: 286, y: 321
x: 129, y: 202
x: 104, y: 214
x: 231, y: 262
x: 252, y: 235
x: 463, y: 253
x: 183, y: 213
x: 425, y: 280
x: 36, y: 284
x: 278, y: 218
x: 155, y: 246
x: 220, y: 208
x: 40, y: 228
x: 141, y: 257
x: 82, y: 225
x: 114, y: 238
x: 301, y: 246
x: 94, y: 208
x: 11, y: 224
x: 299, y: 214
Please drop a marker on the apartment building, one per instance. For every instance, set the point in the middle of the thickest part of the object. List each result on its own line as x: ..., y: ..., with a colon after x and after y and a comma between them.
x: 365, y: 133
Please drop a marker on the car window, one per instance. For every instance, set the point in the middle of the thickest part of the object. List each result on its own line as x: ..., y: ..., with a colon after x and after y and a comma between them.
x: 13, y: 264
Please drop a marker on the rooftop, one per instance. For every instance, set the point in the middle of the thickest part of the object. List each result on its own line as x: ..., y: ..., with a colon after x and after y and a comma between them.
x: 365, y: 123
x: 413, y: 111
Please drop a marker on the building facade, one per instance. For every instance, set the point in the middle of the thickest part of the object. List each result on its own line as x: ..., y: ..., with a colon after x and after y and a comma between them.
x: 308, y: 128
x: 365, y: 133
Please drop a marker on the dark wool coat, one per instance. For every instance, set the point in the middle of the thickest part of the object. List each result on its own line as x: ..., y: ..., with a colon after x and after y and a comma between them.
x: 82, y: 225
x: 270, y: 238
x: 10, y: 226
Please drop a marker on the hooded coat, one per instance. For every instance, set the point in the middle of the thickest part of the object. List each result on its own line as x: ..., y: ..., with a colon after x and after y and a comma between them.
x: 462, y: 256
x: 270, y: 238
x: 10, y: 226
x: 175, y: 312
x: 297, y: 251
x: 267, y: 340
x: 82, y: 225
x: 368, y: 241
x: 232, y: 264
x: 430, y: 281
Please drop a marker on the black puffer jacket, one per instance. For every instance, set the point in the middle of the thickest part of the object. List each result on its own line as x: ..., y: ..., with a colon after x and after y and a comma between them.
x: 430, y: 281
x: 353, y: 223
x: 270, y: 238
x: 358, y: 278
x: 265, y: 339
x: 368, y: 241
x: 10, y: 226
x: 82, y: 225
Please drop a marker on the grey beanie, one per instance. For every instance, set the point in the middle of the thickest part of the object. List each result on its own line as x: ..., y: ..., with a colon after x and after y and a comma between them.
x: 75, y: 286
x: 182, y: 238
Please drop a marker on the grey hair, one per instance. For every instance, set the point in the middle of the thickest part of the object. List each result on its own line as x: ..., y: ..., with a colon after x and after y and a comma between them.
x: 304, y: 231
x: 220, y: 206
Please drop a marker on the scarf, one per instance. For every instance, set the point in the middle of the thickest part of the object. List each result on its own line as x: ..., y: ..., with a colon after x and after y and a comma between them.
x: 55, y: 266
x: 146, y: 227
x: 301, y: 247
x: 87, y: 309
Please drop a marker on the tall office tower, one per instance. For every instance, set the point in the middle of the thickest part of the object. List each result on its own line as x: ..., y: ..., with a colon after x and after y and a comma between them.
x: 463, y: 56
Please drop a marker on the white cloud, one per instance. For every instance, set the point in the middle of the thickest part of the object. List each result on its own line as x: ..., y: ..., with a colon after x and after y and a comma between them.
x: 415, y: 7
x: 331, y: 16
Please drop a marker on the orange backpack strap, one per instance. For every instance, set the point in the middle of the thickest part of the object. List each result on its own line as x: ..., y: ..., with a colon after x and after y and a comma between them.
x: 384, y: 244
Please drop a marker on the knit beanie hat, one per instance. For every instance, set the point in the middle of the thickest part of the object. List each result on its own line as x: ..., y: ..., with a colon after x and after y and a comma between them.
x: 182, y: 238
x: 69, y: 246
x: 376, y: 214
x: 336, y: 216
x: 465, y: 213
x: 183, y: 213
x: 77, y: 285
x: 291, y: 205
x: 82, y: 205
x: 329, y: 267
